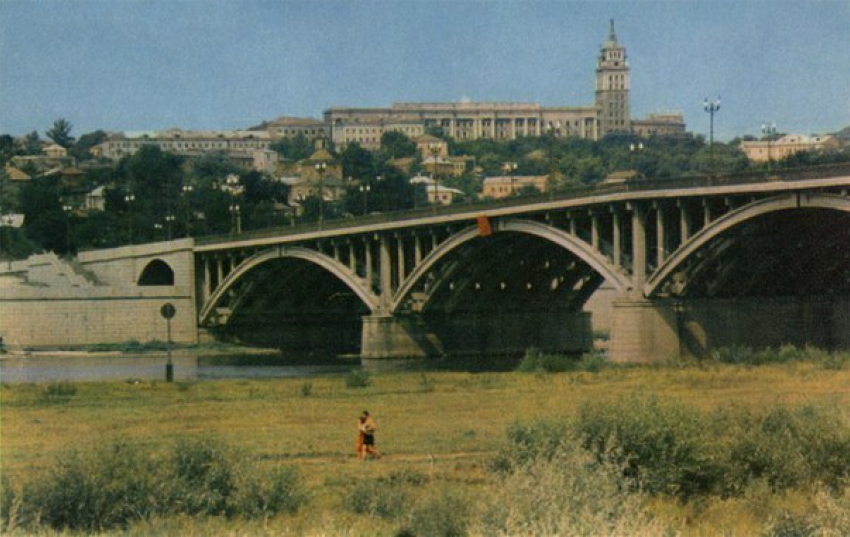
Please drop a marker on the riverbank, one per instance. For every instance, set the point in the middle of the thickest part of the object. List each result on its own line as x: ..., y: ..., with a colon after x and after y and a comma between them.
x: 440, y: 433
x: 133, y: 348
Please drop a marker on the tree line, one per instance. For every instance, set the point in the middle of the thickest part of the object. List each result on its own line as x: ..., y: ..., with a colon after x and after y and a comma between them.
x: 155, y: 195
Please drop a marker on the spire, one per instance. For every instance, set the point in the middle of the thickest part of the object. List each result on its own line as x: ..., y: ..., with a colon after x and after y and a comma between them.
x: 612, y: 36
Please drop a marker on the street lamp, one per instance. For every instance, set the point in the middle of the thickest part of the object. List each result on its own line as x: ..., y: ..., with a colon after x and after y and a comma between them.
x: 157, y: 228
x: 321, y: 167
x: 510, y: 168
x: 68, y: 212
x: 711, y: 108
x: 554, y: 130
x: 435, y: 151
x: 768, y: 129
x: 235, y: 188
x: 364, y: 193
x: 129, y: 198
x: 187, y: 192
x: 169, y: 222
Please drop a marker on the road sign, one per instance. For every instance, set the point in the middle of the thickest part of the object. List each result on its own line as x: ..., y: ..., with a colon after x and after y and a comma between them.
x: 168, y: 310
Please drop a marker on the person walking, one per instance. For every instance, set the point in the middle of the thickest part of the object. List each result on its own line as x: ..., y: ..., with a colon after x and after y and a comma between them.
x: 368, y: 428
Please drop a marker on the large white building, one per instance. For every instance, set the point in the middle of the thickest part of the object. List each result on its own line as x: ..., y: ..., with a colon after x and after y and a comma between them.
x: 610, y: 113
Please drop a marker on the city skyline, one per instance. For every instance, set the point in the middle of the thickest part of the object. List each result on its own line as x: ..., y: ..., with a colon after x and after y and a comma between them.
x: 229, y: 65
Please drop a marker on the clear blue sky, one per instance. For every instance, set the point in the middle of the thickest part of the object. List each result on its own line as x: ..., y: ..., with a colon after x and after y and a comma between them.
x: 226, y: 64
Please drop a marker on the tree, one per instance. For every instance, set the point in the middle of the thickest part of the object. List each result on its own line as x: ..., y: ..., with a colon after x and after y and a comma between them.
x: 60, y: 133
x: 82, y: 149
x: 397, y: 145
x: 32, y: 144
x: 296, y: 148
x: 44, y: 221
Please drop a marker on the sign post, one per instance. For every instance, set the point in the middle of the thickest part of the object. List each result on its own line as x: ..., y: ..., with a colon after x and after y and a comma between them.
x: 167, y: 311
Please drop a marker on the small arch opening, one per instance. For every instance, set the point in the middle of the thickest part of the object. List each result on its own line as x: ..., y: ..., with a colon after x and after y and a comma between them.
x: 157, y: 272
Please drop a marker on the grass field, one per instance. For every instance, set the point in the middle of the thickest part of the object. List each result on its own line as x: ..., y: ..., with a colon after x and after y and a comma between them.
x: 443, y: 428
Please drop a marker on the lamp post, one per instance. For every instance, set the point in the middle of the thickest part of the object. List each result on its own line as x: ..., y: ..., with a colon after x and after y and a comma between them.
x: 435, y: 151
x: 364, y: 193
x: 510, y: 168
x: 187, y: 193
x: 169, y: 224
x: 711, y: 108
x: 157, y: 229
x: 235, y: 188
x: 129, y: 198
x: 768, y: 129
x: 554, y: 130
x: 68, y: 212
x: 321, y: 167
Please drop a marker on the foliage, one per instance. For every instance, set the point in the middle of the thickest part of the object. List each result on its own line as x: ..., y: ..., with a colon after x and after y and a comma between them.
x: 295, y: 148
x: 80, y: 150
x: 44, y: 221
x: 562, y: 490
x: 113, y: 486
x: 60, y: 133
x: 59, y: 392
x: 445, y: 512
x: 397, y: 145
x: 535, y: 361
x: 744, y: 355
x: 358, y: 378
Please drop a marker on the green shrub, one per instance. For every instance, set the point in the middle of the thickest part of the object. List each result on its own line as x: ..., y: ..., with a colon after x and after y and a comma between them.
x: 790, y: 447
x: 379, y: 497
x: 535, y: 361
x: 203, y: 478
x: 280, y: 491
x: 59, y: 392
x: 307, y: 389
x: 358, y: 378
x: 108, y: 489
x: 563, y: 491
x: 443, y: 512
x: 114, y: 486
x: 541, y: 439
x: 663, y: 448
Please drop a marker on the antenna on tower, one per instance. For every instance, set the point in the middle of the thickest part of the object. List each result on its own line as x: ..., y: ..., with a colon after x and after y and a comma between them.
x: 612, y: 36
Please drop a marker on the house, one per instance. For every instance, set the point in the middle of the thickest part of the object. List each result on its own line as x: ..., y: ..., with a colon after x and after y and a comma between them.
x: 504, y: 186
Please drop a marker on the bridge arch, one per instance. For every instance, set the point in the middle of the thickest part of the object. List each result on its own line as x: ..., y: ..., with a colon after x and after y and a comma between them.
x: 576, y: 246
x: 737, y: 217
x: 157, y: 272
x: 340, y: 271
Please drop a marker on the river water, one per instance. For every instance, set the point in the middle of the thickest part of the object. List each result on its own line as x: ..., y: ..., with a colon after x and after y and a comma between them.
x: 76, y: 367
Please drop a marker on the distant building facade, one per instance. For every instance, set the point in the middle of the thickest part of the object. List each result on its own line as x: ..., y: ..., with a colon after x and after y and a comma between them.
x: 251, y: 148
x: 664, y: 124
x: 610, y: 113
x: 506, y: 186
x: 763, y: 150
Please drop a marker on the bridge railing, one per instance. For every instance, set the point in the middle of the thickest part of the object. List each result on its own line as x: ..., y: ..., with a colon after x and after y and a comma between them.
x: 473, y: 206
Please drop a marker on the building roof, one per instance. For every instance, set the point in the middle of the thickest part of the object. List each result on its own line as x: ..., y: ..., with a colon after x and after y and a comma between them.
x: 16, y: 175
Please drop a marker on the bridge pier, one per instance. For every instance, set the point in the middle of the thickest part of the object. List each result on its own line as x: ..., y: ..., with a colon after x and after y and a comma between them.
x: 657, y: 330
x: 396, y: 337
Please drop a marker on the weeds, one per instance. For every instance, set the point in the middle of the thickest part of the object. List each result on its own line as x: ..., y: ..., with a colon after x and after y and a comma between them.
x: 115, y: 486
x: 535, y: 361
x: 59, y: 392
x: 358, y: 378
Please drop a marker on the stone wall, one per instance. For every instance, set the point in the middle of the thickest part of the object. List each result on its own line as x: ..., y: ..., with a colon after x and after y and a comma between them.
x: 49, y: 302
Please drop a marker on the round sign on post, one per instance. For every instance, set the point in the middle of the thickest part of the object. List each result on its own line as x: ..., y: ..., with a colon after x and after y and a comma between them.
x: 168, y: 310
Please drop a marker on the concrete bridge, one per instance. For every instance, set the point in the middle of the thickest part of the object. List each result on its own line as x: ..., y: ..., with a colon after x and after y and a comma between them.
x: 695, y: 264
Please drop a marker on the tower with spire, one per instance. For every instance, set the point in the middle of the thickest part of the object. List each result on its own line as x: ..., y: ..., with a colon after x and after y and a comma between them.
x: 612, y: 87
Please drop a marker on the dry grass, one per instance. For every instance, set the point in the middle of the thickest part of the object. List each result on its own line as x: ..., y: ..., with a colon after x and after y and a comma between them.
x: 443, y: 425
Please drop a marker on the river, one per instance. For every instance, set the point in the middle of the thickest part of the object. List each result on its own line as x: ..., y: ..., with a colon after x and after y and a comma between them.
x: 104, y: 366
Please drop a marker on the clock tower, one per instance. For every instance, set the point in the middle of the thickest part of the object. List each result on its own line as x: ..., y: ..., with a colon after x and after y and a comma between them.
x: 612, y: 87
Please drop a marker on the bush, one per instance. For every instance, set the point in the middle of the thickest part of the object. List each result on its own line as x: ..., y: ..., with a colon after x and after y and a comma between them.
x: 535, y: 361
x: 114, y: 486
x: 791, y: 447
x: 663, y: 448
x: 379, y: 497
x: 563, y: 490
x: 442, y: 513
x: 358, y: 378
x: 59, y: 392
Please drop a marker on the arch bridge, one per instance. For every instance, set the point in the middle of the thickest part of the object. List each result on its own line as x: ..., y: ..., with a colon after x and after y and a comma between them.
x: 696, y: 264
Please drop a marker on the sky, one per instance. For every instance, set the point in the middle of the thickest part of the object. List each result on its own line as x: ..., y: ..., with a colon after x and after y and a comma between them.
x: 130, y: 65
